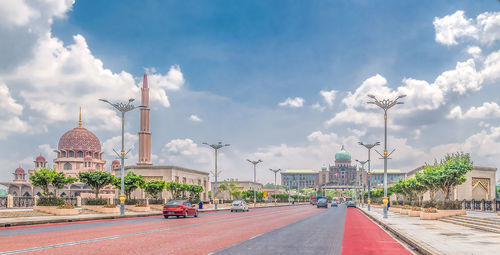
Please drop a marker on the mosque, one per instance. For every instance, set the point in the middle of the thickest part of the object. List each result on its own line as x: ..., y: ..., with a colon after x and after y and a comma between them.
x: 80, y: 150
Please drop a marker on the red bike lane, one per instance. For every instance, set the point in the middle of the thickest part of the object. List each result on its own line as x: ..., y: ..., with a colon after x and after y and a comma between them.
x: 363, y: 236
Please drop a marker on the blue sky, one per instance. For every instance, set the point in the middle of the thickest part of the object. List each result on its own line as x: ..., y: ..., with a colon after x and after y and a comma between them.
x: 285, y: 81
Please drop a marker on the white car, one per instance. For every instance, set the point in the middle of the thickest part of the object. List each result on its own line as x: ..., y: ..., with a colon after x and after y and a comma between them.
x: 239, y: 205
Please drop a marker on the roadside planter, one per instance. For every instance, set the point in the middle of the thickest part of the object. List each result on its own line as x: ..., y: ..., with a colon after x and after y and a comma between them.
x: 414, y: 213
x: 55, y: 210
x: 101, y: 208
x: 136, y: 208
x: 394, y: 209
x: 156, y: 207
x: 430, y: 214
x: 448, y: 213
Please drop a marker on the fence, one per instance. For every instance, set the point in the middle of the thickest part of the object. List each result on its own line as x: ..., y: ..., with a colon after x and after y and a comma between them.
x: 481, y: 205
x: 23, y: 202
x: 3, y: 202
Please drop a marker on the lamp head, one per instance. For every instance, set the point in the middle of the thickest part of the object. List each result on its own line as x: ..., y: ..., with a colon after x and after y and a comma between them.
x: 371, y: 96
x: 104, y: 100
x: 130, y: 100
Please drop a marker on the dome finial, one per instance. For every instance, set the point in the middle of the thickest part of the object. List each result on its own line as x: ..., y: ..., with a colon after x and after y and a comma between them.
x: 80, y: 118
x: 342, y: 149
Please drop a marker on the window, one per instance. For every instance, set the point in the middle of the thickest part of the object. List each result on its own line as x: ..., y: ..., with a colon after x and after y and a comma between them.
x: 177, y: 179
x: 183, y: 179
x: 98, y: 167
x: 71, y: 154
x: 96, y: 155
x: 80, y: 154
x: 64, y: 154
x: 67, y: 166
x: 88, y: 153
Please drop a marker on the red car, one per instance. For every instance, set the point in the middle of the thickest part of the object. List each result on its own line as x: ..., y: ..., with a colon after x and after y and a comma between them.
x: 179, y: 208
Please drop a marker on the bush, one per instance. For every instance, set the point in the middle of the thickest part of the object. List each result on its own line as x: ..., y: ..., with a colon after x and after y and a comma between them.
x: 430, y: 210
x: 416, y: 208
x: 141, y: 205
x: 109, y: 206
x: 450, y: 205
x: 428, y: 204
x: 134, y: 201
x: 406, y: 207
x: 156, y: 201
x: 50, y: 201
x: 66, y: 206
x: 95, y: 201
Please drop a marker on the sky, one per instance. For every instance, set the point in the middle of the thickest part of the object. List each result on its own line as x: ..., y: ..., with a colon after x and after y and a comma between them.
x: 281, y: 81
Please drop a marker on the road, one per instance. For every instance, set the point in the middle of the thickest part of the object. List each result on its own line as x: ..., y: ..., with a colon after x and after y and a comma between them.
x: 283, y: 230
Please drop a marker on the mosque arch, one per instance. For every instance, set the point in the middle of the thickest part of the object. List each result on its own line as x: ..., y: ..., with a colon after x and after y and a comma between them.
x: 67, y: 166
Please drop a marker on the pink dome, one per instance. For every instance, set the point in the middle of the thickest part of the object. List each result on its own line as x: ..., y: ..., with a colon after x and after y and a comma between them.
x: 19, y: 170
x: 79, y: 139
x: 115, y: 162
x: 91, y: 170
x: 40, y: 159
x: 87, y: 158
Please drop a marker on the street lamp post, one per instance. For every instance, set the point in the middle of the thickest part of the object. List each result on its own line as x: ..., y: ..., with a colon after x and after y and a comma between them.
x: 254, y: 180
x: 275, y: 171
x: 369, y: 147
x: 216, y: 147
x: 123, y: 108
x: 360, y: 183
x: 385, y: 104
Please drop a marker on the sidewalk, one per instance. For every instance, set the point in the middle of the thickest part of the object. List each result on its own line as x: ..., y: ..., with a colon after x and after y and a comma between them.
x: 437, y: 237
x: 19, y: 221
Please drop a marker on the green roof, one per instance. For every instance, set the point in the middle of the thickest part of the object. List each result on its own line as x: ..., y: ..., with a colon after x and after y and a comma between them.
x: 389, y: 171
x: 343, y: 155
x: 299, y: 171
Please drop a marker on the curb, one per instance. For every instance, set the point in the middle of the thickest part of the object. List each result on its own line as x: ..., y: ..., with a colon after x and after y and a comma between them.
x: 419, y: 247
x: 103, y: 217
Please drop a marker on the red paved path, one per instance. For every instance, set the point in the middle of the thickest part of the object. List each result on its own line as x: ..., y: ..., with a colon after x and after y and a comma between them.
x: 362, y: 236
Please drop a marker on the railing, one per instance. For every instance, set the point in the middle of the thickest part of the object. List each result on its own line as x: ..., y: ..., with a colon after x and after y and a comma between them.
x: 3, y: 202
x: 482, y: 205
x: 24, y: 201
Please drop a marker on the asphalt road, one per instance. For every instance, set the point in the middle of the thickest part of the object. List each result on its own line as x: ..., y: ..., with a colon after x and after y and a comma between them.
x: 319, y: 234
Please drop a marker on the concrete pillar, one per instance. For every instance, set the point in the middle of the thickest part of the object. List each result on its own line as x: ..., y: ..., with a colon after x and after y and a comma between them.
x: 147, y: 201
x: 111, y: 201
x: 78, y: 201
x: 10, y: 201
x: 36, y: 199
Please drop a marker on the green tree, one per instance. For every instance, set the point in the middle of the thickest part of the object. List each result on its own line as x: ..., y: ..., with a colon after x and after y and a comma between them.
x: 60, y: 180
x: 42, y: 178
x: 430, y: 179
x: 96, y: 180
x: 132, y: 182
x: 194, y: 193
x: 155, y: 187
x: 452, y: 173
x: 174, y: 189
x: 224, y: 186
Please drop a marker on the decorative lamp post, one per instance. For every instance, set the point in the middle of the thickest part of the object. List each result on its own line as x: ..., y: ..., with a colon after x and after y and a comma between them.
x: 385, y: 104
x: 275, y: 171
x: 216, y: 147
x: 360, y: 183
x: 368, y: 179
x: 123, y: 108
x: 254, y: 180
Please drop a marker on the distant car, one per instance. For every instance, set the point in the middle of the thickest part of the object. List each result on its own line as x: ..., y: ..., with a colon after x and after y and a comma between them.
x: 239, y: 205
x: 351, y: 203
x: 179, y: 208
x: 335, y: 203
x: 322, y: 203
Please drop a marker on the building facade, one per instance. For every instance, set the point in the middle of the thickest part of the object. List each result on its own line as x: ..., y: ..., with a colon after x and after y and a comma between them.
x: 241, y: 185
x: 377, y: 177
x: 299, y: 178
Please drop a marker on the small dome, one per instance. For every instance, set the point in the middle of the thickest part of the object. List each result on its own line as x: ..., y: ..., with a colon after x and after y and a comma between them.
x: 40, y: 159
x: 323, y: 168
x: 343, y: 155
x: 19, y: 170
x: 87, y: 158
x: 115, y: 162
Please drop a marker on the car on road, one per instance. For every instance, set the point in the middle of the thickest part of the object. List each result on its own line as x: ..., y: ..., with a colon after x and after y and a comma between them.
x: 179, y: 208
x: 239, y: 205
x: 350, y: 203
x: 335, y: 203
x: 322, y: 203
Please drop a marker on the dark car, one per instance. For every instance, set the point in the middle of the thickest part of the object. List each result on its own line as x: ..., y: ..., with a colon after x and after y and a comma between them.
x: 179, y: 208
x: 322, y: 203
x: 350, y: 203
x: 335, y: 203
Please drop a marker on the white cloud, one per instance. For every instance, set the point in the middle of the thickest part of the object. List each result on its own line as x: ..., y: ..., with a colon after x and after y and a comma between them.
x: 462, y: 79
x: 296, y: 102
x: 186, y: 152
x: 195, y: 118
x: 318, y: 107
x: 116, y: 144
x: 328, y: 96
x: 10, y: 113
x: 485, y: 29
x: 474, y: 51
x: 487, y: 111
